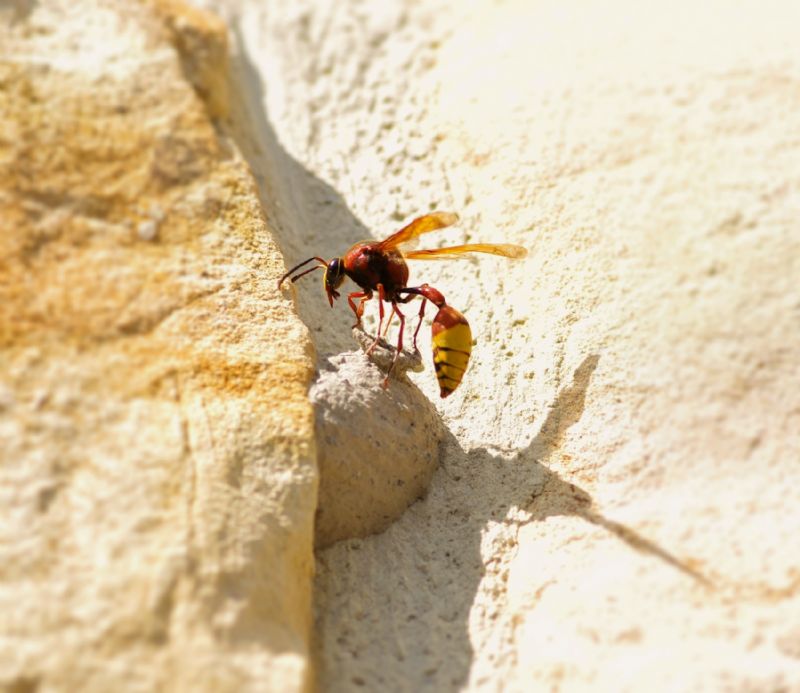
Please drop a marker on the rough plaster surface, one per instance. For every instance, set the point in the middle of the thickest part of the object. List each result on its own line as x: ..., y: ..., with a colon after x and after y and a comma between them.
x: 616, y: 507
x: 157, y: 477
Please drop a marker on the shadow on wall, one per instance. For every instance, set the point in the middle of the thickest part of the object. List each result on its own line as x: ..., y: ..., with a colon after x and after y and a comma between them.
x: 307, y: 216
x: 431, y: 579
x: 428, y: 582
x: 567, y: 498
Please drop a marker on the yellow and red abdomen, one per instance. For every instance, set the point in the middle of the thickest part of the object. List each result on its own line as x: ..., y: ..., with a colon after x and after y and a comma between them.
x: 452, y: 346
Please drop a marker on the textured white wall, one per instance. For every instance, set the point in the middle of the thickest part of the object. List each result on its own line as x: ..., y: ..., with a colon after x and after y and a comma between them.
x: 616, y: 503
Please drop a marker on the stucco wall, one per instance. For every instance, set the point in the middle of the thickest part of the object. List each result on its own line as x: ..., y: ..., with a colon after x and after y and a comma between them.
x: 610, y: 496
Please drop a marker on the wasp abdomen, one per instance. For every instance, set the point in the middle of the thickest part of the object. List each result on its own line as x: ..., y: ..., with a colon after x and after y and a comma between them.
x: 452, y: 345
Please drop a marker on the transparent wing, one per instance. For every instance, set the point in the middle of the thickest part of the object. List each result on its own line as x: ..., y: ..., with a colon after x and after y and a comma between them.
x: 420, y: 225
x: 504, y: 249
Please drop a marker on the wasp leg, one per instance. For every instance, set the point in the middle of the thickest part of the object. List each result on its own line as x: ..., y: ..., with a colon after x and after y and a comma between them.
x: 402, y: 317
x: 419, y: 323
x: 359, y: 311
x: 388, y: 324
x: 411, y: 296
x: 381, y: 299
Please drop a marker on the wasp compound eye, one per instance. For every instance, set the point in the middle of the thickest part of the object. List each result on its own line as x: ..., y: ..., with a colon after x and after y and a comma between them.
x: 334, y: 273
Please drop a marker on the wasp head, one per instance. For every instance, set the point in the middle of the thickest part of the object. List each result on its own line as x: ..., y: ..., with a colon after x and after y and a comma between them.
x: 334, y: 276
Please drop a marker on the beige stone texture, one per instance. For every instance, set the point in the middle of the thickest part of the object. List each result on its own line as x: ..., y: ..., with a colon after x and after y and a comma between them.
x: 616, y: 504
x: 157, y: 464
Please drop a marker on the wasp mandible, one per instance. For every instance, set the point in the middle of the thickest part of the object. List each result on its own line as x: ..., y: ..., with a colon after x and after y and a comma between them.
x: 380, y: 266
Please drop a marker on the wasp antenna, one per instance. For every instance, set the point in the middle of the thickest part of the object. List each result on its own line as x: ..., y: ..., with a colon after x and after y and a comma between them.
x: 303, y: 274
x: 297, y: 267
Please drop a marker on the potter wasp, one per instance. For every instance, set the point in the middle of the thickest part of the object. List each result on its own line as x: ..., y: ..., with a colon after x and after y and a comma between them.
x: 380, y: 267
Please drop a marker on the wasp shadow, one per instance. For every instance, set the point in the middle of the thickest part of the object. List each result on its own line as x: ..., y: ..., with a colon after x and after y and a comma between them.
x: 434, y: 569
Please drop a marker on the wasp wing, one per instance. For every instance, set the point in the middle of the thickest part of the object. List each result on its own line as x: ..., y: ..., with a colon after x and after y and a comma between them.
x: 504, y: 249
x: 420, y: 225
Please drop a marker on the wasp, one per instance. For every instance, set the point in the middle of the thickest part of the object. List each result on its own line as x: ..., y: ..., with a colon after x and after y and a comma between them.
x: 380, y: 267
